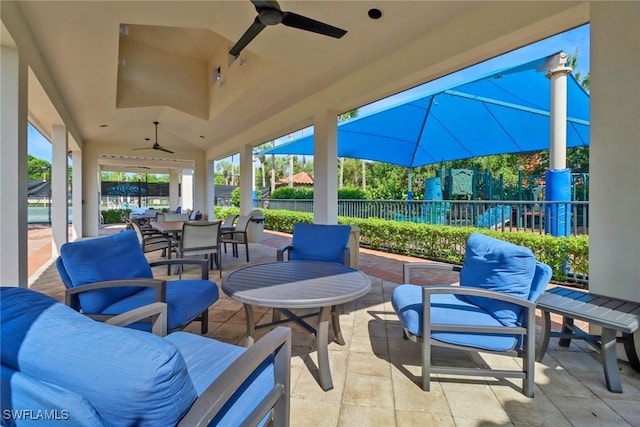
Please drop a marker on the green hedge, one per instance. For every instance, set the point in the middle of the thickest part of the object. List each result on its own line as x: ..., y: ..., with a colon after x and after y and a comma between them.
x: 115, y: 216
x: 441, y: 242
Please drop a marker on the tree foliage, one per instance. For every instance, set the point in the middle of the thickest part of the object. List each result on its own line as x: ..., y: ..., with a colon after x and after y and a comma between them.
x: 38, y: 169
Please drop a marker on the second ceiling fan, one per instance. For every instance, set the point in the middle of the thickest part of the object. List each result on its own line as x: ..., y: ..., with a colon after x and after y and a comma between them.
x: 155, y: 145
x: 269, y: 13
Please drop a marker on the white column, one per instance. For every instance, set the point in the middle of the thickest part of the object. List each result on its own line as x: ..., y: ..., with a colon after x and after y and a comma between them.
x: 76, y: 185
x: 558, y: 112
x: 210, y: 189
x: 325, y: 168
x: 59, y: 204
x: 246, y: 180
x: 174, y: 196
x: 187, y: 189
x: 13, y: 169
x: 614, y: 166
x: 90, y: 191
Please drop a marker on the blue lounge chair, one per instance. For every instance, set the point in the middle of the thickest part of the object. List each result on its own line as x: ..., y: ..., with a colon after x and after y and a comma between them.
x: 492, y: 310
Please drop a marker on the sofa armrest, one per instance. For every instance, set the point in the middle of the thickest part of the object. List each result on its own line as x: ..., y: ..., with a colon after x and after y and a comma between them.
x: 156, y: 311
x: 286, y: 249
x: 204, y: 265
x: 276, y: 343
x: 427, y: 291
x: 410, y: 267
x: 347, y: 257
x: 71, y: 294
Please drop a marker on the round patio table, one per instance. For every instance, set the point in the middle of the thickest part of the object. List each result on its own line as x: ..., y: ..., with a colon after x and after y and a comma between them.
x: 286, y: 285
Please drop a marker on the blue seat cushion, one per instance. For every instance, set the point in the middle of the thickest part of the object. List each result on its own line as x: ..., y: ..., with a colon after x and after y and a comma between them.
x: 48, y: 403
x: 450, y: 310
x: 319, y: 242
x: 206, y: 359
x: 498, y: 266
x: 130, y: 377
x: 186, y: 299
x: 118, y: 256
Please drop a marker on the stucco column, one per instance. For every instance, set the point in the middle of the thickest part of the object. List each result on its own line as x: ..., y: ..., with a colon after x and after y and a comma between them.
x: 59, y: 204
x: 13, y: 169
x: 246, y: 179
x: 76, y: 186
x: 91, y: 191
x: 187, y: 189
x: 614, y: 153
x: 325, y: 168
x: 557, y: 75
x: 210, y: 198
x: 174, y: 196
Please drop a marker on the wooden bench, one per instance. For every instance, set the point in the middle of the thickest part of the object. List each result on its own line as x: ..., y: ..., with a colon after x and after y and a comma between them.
x: 611, y: 314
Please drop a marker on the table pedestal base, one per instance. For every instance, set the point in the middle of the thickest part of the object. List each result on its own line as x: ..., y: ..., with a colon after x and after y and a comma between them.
x: 322, y: 334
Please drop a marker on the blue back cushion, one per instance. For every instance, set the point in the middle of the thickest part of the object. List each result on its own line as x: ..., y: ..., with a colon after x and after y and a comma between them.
x: 130, y: 377
x: 319, y: 242
x: 499, y: 266
x: 118, y: 256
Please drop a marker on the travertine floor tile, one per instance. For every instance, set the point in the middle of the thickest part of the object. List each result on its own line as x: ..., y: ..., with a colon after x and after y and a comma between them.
x: 351, y: 416
x: 377, y: 374
x: 589, y: 412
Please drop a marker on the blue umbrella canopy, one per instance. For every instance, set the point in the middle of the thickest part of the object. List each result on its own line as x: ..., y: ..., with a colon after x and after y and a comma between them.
x: 506, y: 111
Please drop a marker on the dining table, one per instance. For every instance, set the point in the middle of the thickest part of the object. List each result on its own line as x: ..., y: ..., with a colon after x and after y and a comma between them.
x: 175, y: 227
x: 289, y: 285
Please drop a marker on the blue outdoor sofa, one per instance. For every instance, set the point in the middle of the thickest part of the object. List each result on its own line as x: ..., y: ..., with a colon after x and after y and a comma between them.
x: 60, y: 367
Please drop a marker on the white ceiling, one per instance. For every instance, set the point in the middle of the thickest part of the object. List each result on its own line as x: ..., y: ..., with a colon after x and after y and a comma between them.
x: 288, y: 74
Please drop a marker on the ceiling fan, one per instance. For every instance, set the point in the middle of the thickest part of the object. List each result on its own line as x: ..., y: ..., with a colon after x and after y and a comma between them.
x: 269, y: 13
x: 155, y: 146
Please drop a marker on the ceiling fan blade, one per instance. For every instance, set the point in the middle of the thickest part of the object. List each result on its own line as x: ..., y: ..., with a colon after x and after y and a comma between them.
x: 265, y: 4
x: 144, y: 148
x: 165, y: 150
x: 249, y: 35
x: 294, y: 20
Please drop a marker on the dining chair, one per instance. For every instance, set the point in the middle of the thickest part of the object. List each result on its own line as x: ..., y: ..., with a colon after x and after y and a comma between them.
x: 151, y: 240
x: 201, y: 238
x: 176, y: 217
x: 230, y: 220
x: 237, y: 236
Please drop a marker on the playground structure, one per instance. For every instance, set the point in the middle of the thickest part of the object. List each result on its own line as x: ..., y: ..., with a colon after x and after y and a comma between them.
x: 445, y: 192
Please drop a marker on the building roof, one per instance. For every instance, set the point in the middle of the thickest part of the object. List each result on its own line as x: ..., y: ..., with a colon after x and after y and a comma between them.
x: 301, y: 178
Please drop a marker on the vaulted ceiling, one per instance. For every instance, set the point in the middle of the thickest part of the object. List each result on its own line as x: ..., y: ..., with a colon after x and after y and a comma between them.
x: 127, y: 64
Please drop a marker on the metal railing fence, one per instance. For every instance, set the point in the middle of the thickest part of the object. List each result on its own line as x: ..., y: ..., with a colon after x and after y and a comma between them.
x: 556, y: 218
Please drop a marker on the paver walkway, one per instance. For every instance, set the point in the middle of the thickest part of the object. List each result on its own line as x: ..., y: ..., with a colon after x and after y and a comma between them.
x: 376, y: 374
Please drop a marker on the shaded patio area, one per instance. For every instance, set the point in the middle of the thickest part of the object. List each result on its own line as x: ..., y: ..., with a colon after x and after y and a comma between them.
x: 376, y: 374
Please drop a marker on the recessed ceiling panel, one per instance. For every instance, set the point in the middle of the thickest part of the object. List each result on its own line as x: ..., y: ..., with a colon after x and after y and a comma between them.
x: 166, y: 66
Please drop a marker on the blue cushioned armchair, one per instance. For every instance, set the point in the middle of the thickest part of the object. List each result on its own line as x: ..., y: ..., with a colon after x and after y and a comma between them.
x: 110, y: 275
x: 492, y: 310
x: 318, y: 242
x: 60, y: 367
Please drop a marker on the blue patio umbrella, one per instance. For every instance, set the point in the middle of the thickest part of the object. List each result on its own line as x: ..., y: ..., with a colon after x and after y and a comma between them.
x: 506, y: 111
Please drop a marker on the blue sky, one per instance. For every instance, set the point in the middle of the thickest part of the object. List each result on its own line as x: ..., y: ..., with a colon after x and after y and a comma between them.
x: 39, y: 147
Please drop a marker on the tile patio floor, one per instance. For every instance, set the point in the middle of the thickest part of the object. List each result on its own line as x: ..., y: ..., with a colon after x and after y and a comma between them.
x: 376, y: 374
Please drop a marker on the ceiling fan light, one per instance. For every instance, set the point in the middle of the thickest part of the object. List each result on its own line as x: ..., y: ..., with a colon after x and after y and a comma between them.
x: 270, y: 16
